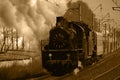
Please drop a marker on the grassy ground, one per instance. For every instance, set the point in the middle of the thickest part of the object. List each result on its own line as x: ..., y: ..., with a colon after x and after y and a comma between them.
x: 17, y: 72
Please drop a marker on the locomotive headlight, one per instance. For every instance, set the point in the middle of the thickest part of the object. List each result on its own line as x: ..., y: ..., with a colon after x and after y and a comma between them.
x: 50, y: 56
x: 68, y: 56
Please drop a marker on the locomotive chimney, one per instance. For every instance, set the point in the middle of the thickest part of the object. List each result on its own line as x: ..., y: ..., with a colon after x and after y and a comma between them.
x: 61, y: 22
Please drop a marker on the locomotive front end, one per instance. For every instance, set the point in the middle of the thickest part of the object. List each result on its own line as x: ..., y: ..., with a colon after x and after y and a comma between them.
x: 58, y: 55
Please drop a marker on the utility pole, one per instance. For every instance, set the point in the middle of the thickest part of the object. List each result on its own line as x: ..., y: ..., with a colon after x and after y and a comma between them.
x: 105, y: 39
x: 16, y: 40
x: 117, y: 3
x: 23, y: 43
x: 92, y: 20
x: 12, y: 38
x: 80, y: 7
x: 114, y: 40
x: 109, y: 39
x: 99, y: 6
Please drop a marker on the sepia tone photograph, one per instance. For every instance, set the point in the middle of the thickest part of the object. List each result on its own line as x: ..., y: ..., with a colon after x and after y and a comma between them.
x: 59, y: 39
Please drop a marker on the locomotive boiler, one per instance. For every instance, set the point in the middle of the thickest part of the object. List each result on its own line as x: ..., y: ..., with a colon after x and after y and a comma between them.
x: 69, y: 43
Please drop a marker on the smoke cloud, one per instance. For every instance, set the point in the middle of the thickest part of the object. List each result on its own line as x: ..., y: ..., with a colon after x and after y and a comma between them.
x: 32, y: 18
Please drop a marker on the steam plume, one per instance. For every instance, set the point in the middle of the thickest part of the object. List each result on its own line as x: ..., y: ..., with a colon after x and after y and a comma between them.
x: 33, y: 18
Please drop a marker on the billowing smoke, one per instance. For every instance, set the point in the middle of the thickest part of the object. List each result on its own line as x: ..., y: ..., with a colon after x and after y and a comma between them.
x: 32, y: 18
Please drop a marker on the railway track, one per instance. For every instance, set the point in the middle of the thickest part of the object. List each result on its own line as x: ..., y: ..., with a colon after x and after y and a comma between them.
x: 40, y: 77
x: 109, y: 70
x: 101, y: 61
x: 117, y: 78
x: 111, y: 73
x: 50, y: 77
x: 87, y: 69
x: 106, y: 69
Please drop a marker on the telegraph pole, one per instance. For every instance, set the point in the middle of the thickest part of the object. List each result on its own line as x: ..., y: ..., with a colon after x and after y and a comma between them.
x: 117, y: 3
x: 80, y: 18
x: 99, y: 6
x: 16, y: 40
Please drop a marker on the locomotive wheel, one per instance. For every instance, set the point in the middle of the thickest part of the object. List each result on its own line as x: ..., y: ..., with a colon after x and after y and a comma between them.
x: 60, y: 70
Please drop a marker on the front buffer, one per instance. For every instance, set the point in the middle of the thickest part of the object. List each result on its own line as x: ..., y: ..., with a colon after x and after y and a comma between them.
x: 59, y: 62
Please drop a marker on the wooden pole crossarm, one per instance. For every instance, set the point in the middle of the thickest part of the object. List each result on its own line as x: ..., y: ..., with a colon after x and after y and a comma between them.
x: 116, y: 8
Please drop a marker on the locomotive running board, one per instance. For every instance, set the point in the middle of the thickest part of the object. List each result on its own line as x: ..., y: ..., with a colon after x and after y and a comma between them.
x: 63, y: 50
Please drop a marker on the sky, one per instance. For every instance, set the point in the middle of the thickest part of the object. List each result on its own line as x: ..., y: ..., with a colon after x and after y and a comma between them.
x: 106, y: 8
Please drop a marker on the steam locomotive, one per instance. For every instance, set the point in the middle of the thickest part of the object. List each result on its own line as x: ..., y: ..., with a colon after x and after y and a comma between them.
x: 69, y: 44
